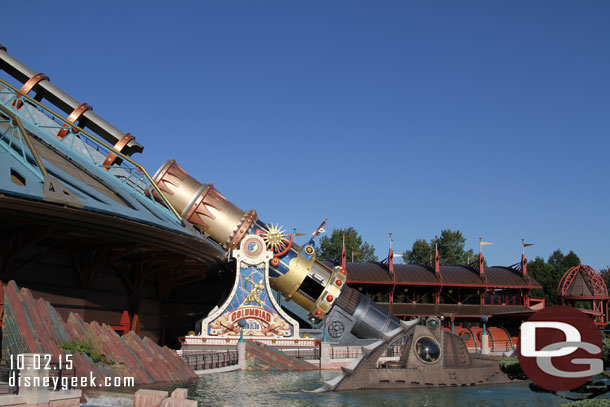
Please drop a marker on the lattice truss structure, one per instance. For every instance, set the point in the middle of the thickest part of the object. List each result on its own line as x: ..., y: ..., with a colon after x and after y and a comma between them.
x: 584, y: 284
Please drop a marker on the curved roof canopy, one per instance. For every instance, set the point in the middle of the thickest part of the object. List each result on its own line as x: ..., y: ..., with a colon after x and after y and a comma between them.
x: 420, y: 274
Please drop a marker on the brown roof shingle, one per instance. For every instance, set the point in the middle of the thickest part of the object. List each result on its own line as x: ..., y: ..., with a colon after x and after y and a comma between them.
x: 378, y: 273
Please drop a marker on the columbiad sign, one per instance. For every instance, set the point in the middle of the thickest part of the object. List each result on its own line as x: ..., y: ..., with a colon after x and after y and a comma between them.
x: 250, y: 300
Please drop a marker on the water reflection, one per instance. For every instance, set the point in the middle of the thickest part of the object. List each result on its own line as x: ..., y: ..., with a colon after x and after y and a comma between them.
x: 284, y: 389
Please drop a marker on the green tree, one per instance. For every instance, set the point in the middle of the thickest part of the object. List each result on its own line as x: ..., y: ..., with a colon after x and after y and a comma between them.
x: 570, y: 260
x: 549, y: 273
x: 545, y: 274
x: 419, y: 253
x: 450, y: 248
x: 330, y: 246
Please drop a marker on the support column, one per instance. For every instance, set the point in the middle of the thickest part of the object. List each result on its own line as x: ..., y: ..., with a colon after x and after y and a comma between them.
x: 33, y: 374
x: 242, y: 357
x: 484, y: 344
x: 325, y: 358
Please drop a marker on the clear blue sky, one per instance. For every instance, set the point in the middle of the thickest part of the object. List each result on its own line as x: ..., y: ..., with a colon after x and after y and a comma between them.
x: 390, y: 116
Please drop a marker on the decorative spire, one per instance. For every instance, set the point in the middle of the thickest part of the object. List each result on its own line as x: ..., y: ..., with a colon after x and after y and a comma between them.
x: 481, y: 258
x: 343, y: 254
x: 523, y: 259
x: 391, y: 259
x: 437, y: 257
x: 298, y: 234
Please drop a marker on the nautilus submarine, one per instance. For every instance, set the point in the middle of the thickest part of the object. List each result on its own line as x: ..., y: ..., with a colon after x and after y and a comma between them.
x: 294, y: 271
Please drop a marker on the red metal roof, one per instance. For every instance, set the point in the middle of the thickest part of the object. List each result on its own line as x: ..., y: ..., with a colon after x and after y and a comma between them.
x: 372, y: 272
x: 419, y: 274
x: 499, y: 276
x: 461, y: 275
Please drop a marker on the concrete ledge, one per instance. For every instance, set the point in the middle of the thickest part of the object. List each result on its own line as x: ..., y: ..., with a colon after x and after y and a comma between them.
x: 149, y: 398
x: 69, y: 398
x: 12, y: 400
x: 172, y: 402
x: 157, y: 398
x: 67, y: 394
x: 179, y: 394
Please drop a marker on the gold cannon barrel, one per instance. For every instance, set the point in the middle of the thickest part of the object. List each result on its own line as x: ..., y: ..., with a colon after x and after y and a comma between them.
x: 306, y: 281
x: 203, y: 206
x: 296, y: 274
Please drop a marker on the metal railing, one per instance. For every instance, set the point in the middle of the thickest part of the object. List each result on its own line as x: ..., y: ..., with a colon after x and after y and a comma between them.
x: 9, y: 376
x: 18, y: 141
x: 208, y: 360
x: 277, y: 342
x: 64, y: 377
x: 392, y: 351
x: 346, y: 352
x: 495, y: 346
x: 502, y: 346
x: 89, y: 146
x: 305, y: 354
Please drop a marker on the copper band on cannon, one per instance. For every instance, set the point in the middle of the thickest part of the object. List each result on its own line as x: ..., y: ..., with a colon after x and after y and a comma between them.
x: 242, y: 230
x: 197, y: 209
x: 118, y: 147
x: 203, y: 206
x: 74, y: 116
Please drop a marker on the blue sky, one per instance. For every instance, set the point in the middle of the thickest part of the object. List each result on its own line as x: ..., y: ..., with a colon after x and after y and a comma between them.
x: 389, y: 116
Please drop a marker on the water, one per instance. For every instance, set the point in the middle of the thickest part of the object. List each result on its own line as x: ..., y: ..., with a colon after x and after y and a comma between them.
x: 283, y: 389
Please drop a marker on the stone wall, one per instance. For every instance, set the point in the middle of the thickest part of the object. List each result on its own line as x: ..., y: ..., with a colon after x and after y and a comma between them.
x: 34, y: 326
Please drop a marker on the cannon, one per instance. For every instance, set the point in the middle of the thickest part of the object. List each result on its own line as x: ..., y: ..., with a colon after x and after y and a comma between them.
x: 294, y: 271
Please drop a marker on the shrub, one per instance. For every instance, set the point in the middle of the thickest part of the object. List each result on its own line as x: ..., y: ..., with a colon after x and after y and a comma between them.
x: 87, y: 348
x: 606, y: 351
x: 512, y: 368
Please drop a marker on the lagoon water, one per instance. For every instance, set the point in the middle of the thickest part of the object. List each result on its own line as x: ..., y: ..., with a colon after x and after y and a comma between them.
x: 283, y: 389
